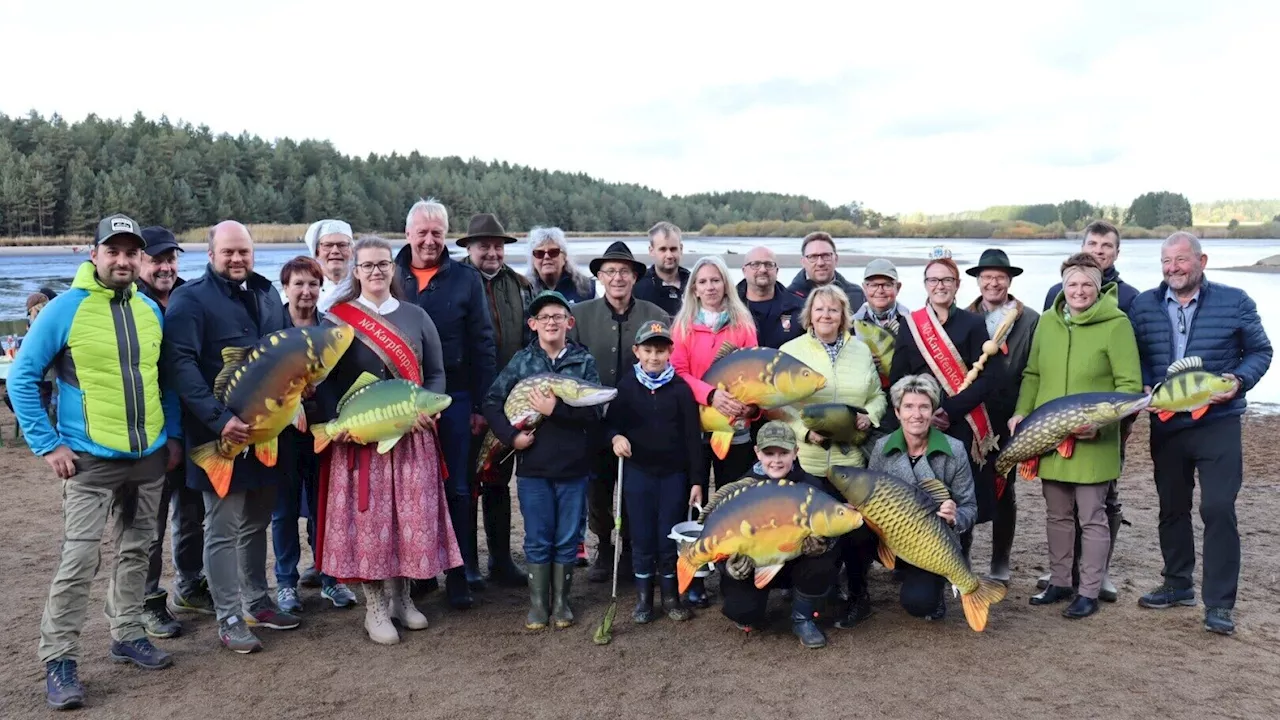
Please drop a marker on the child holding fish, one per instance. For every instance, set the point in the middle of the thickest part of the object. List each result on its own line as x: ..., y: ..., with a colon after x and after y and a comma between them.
x: 653, y: 423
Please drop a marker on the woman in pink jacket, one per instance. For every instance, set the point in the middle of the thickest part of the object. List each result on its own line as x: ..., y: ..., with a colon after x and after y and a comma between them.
x: 712, y: 314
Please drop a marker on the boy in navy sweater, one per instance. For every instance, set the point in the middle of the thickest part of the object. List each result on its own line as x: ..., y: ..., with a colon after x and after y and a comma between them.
x: 653, y: 422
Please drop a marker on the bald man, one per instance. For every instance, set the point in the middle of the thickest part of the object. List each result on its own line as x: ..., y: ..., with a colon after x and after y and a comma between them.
x: 229, y: 306
x: 776, y: 311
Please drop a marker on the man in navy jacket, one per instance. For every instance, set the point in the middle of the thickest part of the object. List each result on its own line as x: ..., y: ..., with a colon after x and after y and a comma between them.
x: 453, y: 295
x: 1102, y: 241
x: 1188, y: 316
x: 775, y: 310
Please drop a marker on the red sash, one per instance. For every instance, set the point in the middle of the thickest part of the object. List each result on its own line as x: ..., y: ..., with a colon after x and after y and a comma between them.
x: 383, y: 338
x: 949, y: 369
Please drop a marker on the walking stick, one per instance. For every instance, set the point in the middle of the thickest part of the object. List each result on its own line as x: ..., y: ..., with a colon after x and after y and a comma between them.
x: 604, y: 633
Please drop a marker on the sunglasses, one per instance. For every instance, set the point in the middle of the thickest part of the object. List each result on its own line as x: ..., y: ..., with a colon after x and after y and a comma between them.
x: 552, y: 253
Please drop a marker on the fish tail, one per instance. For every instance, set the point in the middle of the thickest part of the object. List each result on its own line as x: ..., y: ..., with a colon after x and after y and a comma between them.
x: 684, y: 573
x: 720, y: 443
x: 322, y: 436
x: 217, y: 467
x: 979, y: 602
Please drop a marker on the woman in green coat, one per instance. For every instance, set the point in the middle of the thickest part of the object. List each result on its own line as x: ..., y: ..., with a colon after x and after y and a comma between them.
x: 1083, y: 344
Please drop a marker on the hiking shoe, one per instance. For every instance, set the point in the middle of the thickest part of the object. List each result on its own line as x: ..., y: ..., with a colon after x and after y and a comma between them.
x: 287, y: 600
x: 199, y: 601
x: 157, y: 620
x: 63, y: 690
x: 268, y: 616
x: 1218, y: 620
x: 237, y: 637
x: 140, y: 652
x: 859, y: 610
x: 338, y: 594
x: 310, y: 578
x: 1167, y: 597
x: 940, y: 612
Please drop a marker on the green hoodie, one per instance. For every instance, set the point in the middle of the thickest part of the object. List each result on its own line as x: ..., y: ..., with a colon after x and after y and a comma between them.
x: 1094, y: 351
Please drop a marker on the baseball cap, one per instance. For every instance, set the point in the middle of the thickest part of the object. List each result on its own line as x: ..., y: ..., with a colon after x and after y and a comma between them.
x: 159, y: 240
x: 776, y: 434
x: 880, y: 267
x: 655, y: 330
x: 546, y: 297
x: 113, y: 226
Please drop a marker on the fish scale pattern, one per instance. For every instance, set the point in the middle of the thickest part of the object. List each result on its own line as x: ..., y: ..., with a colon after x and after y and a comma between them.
x: 901, y: 519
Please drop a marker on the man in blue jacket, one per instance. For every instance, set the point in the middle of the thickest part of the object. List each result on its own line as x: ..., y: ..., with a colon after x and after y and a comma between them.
x: 776, y: 311
x: 1102, y: 241
x: 1187, y: 316
x: 229, y: 306
x: 453, y: 295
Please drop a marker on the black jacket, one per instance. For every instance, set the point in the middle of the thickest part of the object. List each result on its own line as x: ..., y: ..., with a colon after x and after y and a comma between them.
x: 778, y: 320
x: 205, y: 316
x: 662, y: 426
x: 650, y: 287
x: 456, y: 302
x: 801, y: 286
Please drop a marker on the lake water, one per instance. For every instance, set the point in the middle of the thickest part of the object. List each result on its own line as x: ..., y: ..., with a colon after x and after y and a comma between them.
x: 1139, y: 264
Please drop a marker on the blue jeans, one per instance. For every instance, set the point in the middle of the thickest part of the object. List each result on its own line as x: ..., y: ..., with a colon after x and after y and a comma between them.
x: 552, y: 512
x: 299, y: 484
x: 655, y: 503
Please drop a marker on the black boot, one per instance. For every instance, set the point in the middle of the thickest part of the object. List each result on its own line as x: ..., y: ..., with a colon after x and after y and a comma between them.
x: 466, y: 531
x: 1108, y: 592
x: 420, y: 588
x: 697, y: 593
x: 496, y: 505
x: 561, y: 583
x: 671, y: 602
x: 859, y: 610
x: 1052, y: 594
x: 804, y: 608
x: 1081, y: 607
x: 539, y: 597
x: 602, y: 569
x: 1002, y: 530
x: 456, y: 589
x: 643, y: 614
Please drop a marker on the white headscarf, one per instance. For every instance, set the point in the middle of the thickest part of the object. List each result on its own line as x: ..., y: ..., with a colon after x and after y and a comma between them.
x: 321, y: 228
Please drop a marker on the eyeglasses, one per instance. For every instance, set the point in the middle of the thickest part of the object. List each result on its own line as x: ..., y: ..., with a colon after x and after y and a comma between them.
x: 878, y: 286
x: 368, y: 267
x: 612, y: 273
x: 761, y: 265
x: 327, y: 246
x: 820, y: 257
x: 552, y: 253
x: 548, y: 319
x: 944, y: 282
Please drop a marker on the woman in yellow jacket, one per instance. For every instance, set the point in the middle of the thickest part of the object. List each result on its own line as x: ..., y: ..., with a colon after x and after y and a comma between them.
x: 830, y: 348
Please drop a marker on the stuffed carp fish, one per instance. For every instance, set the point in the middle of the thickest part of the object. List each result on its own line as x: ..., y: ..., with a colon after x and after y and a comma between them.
x: 879, y: 341
x: 263, y: 386
x: 836, y: 422
x: 765, y: 520
x: 1055, y: 424
x: 764, y: 377
x: 1187, y: 387
x: 520, y: 413
x: 379, y: 411
x: 904, y: 516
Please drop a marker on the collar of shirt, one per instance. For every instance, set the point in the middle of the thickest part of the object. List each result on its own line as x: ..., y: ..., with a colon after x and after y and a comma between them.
x: 387, y: 307
x: 1169, y: 295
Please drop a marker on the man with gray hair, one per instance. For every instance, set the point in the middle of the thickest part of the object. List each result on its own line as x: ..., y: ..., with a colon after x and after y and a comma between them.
x: 1189, y: 321
x: 330, y: 243
x: 663, y: 283
x: 453, y: 295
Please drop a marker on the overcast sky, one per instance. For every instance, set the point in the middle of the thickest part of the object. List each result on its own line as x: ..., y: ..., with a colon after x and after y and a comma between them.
x: 934, y: 106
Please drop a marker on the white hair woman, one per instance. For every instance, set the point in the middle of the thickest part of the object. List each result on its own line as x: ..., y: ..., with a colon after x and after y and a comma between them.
x: 551, y: 267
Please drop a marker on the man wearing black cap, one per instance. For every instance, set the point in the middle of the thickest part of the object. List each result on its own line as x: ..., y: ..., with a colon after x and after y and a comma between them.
x: 607, y: 325
x: 995, y: 274
x: 508, y: 294
x: 158, y: 277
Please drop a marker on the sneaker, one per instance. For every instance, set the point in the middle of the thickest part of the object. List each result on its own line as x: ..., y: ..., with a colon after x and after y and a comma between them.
x: 199, y: 601
x: 1218, y: 620
x: 310, y: 578
x: 63, y: 690
x: 1167, y: 597
x: 157, y: 620
x: 268, y: 616
x: 140, y: 652
x: 340, y: 595
x: 237, y: 637
x: 287, y: 600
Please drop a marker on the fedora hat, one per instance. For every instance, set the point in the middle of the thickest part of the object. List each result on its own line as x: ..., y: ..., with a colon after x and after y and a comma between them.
x: 484, y: 225
x: 619, y: 252
x: 994, y: 259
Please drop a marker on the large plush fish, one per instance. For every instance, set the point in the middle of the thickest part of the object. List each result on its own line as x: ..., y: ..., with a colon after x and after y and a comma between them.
x: 880, y: 342
x: 765, y: 520
x: 1187, y: 387
x: 520, y: 413
x: 379, y: 411
x: 263, y: 386
x: 836, y: 422
x: 1056, y: 423
x: 904, y: 516
x: 764, y: 377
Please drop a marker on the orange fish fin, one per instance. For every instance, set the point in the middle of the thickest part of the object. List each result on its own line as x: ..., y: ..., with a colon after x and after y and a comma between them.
x: 720, y: 442
x: 1027, y: 469
x: 765, y: 575
x: 789, y: 547
x: 1067, y: 446
x: 887, y: 558
x: 684, y: 573
x: 267, y: 452
x: 217, y: 467
x: 300, y: 421
x: 322, y: 437
x: 978, y: 603
x: 1165, y: 415
x: 1199, y: 412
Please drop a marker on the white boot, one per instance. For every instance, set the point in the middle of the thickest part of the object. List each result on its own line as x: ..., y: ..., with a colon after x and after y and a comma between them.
x: 402, y: 607
x: 376, y: 621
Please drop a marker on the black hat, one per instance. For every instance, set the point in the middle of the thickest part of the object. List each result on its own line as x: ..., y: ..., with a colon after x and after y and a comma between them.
x: 618, y: 252
x: 113, y: 226
x: 484, y: 225
x: 159, y: 240
x: 994, y: 259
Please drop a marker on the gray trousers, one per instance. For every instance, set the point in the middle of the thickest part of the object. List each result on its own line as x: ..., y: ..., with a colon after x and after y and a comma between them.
x: 235, y: 549
x: 1090, y: 503
x: 129, y: 489
x: 188, y: 535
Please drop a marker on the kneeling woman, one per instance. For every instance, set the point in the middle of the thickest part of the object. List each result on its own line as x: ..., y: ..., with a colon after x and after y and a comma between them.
x: 809, y: 576
x: 385, y: 520
x: 914, y: 452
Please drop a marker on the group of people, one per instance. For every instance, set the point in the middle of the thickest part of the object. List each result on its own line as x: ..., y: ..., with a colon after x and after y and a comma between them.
x: 135, y: 352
